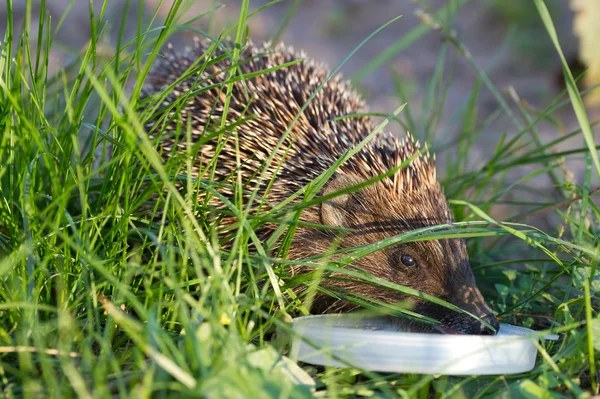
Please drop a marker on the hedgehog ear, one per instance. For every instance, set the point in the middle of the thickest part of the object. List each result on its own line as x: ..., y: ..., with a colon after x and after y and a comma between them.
x: 334, y: 212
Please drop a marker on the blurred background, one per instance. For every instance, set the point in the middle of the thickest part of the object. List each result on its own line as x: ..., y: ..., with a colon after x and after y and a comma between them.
x: 503, y: 39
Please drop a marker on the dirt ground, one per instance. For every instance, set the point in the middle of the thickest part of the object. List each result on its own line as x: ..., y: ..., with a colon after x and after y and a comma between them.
x: 330, y: 29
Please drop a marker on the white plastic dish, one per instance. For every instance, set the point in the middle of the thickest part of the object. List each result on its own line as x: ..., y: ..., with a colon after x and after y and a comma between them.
x: 374, y: 344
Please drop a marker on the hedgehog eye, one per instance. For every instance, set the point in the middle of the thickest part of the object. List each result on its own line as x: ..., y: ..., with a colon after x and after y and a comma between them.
x: 408, y: 261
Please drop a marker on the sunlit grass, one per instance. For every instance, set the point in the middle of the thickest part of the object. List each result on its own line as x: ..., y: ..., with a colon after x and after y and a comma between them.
x: 99, y: 298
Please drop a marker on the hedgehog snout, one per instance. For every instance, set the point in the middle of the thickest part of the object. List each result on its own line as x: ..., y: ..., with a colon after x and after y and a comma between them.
x: 465, y: 324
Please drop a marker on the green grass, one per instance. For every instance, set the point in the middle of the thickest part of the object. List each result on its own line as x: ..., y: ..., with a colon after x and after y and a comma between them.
x: 98, y: 299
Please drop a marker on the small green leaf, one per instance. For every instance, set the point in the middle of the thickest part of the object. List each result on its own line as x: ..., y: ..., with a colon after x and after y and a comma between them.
x: 529, y: 389
x: 510, y: 274
x: 272, y: 362
x: 583, y: 273
x: 502, y: 290
x: 596, y: 333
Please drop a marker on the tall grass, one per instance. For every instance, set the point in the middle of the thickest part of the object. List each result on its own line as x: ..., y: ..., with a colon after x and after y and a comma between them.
x: 99, y: 299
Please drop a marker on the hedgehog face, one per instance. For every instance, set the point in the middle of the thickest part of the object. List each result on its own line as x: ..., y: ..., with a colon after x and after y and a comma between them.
x: 437, y: 267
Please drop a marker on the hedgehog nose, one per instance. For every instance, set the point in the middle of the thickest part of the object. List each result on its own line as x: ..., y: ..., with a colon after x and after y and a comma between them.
x: 492, y: 321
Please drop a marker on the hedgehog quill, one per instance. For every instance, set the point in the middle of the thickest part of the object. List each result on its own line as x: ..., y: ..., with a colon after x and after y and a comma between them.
x: 267, y: 105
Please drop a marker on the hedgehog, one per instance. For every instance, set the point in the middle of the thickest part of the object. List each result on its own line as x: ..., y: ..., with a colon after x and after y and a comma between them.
x: 292, y: 124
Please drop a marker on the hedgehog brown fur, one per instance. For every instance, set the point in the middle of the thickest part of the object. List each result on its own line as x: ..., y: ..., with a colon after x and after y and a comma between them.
x: 267, y: 104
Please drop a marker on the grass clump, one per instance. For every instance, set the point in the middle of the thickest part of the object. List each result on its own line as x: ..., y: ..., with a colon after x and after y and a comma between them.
x: 99, y: 299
